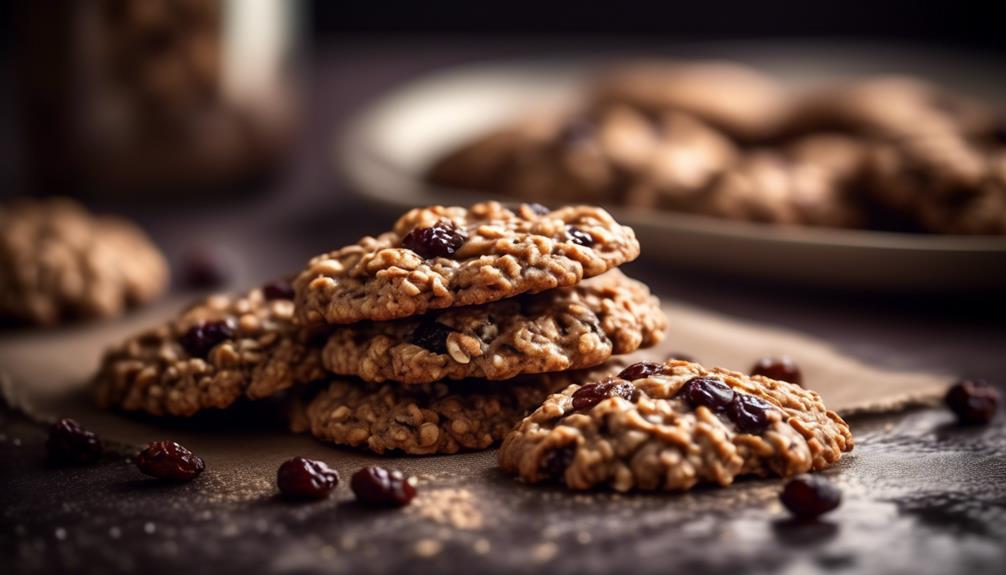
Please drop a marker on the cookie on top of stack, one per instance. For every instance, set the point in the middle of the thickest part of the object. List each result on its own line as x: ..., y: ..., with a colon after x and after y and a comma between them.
x: 436, y: 336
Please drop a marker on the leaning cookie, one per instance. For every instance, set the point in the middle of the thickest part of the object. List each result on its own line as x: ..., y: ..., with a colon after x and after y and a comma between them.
x: 556, y: 330
x: 672, y: 426
x: 223, y: 349
x: 441, y: 257
x: 443, y: 417
x: 60, y: 262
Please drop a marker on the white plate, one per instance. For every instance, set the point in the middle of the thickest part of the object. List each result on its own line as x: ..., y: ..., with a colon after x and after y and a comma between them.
x: 388, y: 146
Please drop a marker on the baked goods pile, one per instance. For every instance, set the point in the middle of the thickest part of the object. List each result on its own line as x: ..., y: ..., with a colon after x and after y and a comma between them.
x: 719, y: 139
x: 444, y: 333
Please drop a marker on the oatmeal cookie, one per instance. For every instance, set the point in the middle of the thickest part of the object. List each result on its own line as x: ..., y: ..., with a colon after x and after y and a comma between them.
x: 741, y: 101
x: 800, y: 187
x: 60, y: 262
x: 222, y: 349
x: 890, y: 107
x: 557, y: 330
x: 943, y: 182
x: 441, y: 257
x: 442, y: 417
x: 672, y: 426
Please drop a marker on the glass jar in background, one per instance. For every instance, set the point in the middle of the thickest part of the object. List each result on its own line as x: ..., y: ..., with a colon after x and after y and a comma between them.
x: 170, y: 97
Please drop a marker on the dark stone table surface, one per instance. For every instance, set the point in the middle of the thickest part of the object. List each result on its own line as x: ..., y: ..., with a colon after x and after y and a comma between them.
x: 921, y: 495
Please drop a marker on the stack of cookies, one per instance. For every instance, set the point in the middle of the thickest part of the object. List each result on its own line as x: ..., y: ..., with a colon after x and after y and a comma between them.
x: 461, y: 328
x: 434, y: 337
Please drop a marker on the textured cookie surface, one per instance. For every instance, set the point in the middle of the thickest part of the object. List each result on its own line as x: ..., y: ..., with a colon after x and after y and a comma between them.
x: 223, y: 349
x: 59, y: 262
x: 675, y: 425
x: 443, y: 417
x: 441, y: 257
x: 556, y: 330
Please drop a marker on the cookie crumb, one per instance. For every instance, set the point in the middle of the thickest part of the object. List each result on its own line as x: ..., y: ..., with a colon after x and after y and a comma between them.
x: 428, y: 547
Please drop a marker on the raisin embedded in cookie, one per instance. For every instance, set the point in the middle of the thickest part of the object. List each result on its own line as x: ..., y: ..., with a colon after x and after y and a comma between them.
x: 59, y: 262
x: 442, y: 417
x: 557, y: 330
x: 675, y: 426
x: 441, y: 257
x: 222, y: 349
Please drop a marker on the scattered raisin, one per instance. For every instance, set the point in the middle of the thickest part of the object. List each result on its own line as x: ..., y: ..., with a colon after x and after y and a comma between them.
x: 781, y: 368
x: 674, y: 355
x: 640, y: 370
x: 279, y: 288
x: 169, y: 460
x: 379, y: 486
x: 203, y: 269
x: 973, y: 401
x: 593, y: 393
x: 578, y: 236
x: 808, y: 496
x: 555, y: 462
x: 431, y: 336
x: 302, y: 478
x: 750, y: 413
x: 709, y: 392
x: 70, y: 443
x: 440, y: 240
x: 201, y: 338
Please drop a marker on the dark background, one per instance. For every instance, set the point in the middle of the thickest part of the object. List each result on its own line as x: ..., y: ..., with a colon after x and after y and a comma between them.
x: 944, y: 22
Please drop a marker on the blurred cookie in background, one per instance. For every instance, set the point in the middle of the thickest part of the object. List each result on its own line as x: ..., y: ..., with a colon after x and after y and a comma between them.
x: 59, y: 262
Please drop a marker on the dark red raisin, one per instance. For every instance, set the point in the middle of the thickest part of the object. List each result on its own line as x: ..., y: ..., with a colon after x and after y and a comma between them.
x: 440, y: 240
x: 70, y: 443
x: 808, y: 496
x: 302, y: 478
x: 279, y: 288
x: 640, y: 370
x: 781, y: 368
x: 708, y: 392
x: 431, y: 336
x: 674, y: 355
x: 578, y: 236
x: 973, y: 401
x: 749, y: 413
x: 593, y: 393
x: 204, y: 269
x: 555, y: 462
x: 201, y: 338
x: 576, y: 132
x: 169, y: 460
x: 379, y: 486
x: 539, y: 209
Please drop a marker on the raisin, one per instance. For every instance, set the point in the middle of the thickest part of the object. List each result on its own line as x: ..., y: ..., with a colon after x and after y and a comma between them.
x: 575, y: 133
x: 750, y: 413
x: 973, y: 401
x: 708, y: 392
x: 640, y: 370
x: 201, y: 338
x: 781, y: 368
x: 555, y: 462
x: 169, y: 460
x: 279, y: 288
x: 70, y: 443
x: 675, y: 355
x: 204, y: 269
x: 431, y: 336
x: 807, y: 496
x: 385, y: 487
x: 578, y: 236
x: 593, y: 393
x: 440, y: 240
x: 539, y: 209
x: 302, y: 478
